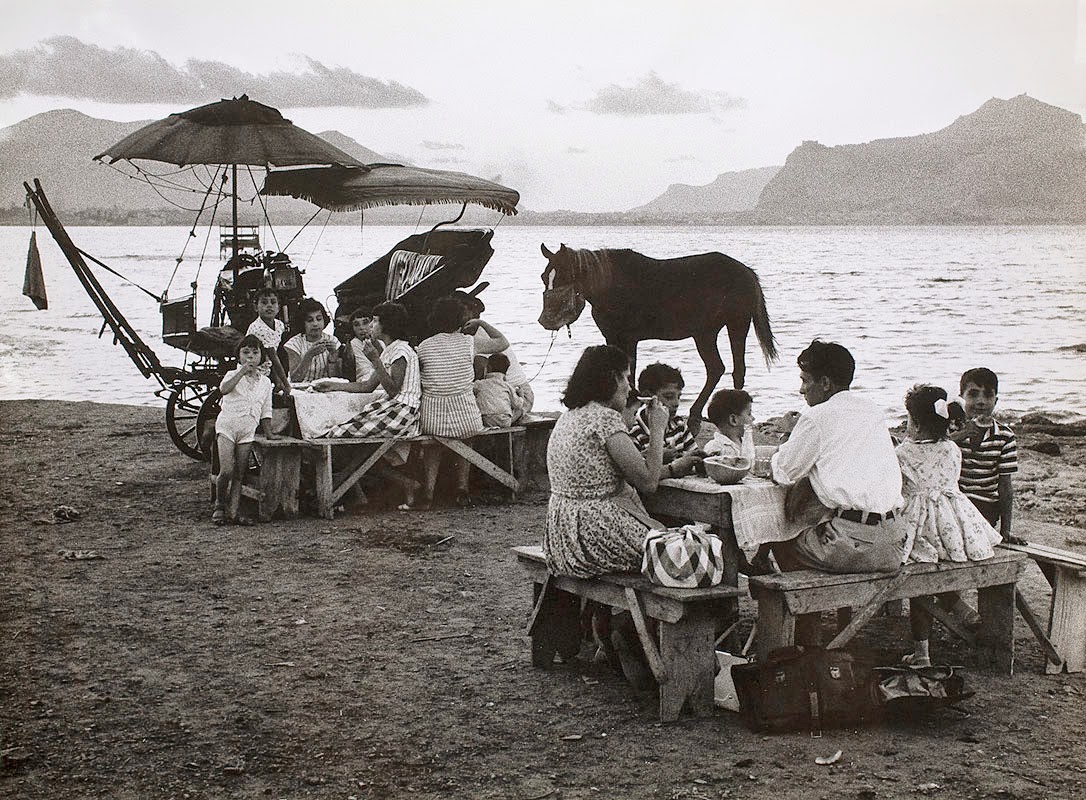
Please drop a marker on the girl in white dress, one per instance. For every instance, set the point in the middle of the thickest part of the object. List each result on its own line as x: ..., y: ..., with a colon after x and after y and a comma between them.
x: 941, y: 523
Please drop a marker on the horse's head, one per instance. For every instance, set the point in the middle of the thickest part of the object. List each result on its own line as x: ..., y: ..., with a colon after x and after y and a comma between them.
x: 563, y: 300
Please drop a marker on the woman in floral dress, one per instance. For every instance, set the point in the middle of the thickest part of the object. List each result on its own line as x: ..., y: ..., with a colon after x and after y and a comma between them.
x: 596, y: 522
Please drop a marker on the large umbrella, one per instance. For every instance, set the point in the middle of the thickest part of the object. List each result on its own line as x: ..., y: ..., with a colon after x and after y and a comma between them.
x: 238, y: 131
x: 227, y: 133
x: 351, y: 189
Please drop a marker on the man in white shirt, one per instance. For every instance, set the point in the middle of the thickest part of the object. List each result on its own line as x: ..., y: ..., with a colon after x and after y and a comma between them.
x: 842, y: 445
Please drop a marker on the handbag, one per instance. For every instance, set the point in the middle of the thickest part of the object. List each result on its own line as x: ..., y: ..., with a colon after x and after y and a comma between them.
x: 683, y: 558
x: 799, y: 689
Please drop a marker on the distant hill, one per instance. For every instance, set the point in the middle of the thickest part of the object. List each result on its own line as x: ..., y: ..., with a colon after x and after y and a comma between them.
x: 730, y: 192
x: 1010, y: 161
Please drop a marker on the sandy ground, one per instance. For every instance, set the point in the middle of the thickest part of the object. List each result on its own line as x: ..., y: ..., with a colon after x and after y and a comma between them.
x: 383, y: 654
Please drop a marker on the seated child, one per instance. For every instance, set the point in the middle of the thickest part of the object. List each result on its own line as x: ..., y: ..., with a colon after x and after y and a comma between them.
x: 666, y: 384
x: 730, y: 411
x: 939, y: 521
x: 356, y: 366
x: 989, y: 452
x: 269, y: 329
x: 499, y: 404
x: 246, y: 404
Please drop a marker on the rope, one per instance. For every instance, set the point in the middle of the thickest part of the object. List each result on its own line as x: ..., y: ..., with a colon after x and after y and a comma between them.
x: 263, y: 208
x: 319, y: 235
x: 108, y: 268
x: 192, y: 235
x: 554, y: 335
x: 417, y: 224
x: 295, y: 236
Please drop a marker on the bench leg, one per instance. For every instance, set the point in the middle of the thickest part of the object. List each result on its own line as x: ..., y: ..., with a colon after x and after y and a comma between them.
x: 323, y: 482
x: 555, y: 627
x: 995, y: 637
x: 280, y: 475
x: 776, y: 624
x: 1067, y: 623
x: 686, y: 649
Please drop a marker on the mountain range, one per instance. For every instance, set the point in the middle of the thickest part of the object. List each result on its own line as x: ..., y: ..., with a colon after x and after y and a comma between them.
x: 1016, y: 161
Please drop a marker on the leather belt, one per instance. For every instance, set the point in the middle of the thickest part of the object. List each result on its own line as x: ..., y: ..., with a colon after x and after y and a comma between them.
x: 863, y: 517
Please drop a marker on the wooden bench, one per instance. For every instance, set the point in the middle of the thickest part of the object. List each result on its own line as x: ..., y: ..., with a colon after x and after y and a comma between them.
x: 1064, y: 641
x: 281, y: 466
x: 682, y: 656
x: 782, y: 596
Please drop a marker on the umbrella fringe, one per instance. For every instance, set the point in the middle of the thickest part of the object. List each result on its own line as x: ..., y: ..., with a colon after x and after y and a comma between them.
x: 323, y: 201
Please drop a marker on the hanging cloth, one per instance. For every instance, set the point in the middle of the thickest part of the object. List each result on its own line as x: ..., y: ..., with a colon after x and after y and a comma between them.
x: 33, y: 280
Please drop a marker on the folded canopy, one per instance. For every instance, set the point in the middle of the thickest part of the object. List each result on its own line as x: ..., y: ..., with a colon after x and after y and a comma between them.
x: 351, y: 189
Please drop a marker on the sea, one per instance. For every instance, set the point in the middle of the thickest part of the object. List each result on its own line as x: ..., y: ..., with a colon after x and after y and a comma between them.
x: 913, y: 304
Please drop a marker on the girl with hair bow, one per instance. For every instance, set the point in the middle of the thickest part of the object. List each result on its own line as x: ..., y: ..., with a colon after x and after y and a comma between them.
x: 941, y: 523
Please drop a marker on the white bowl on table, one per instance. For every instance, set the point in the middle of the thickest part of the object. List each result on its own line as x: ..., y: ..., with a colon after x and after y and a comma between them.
x: 727, y: 469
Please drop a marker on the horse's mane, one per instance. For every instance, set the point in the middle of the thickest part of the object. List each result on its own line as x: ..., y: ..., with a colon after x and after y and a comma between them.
x: 593, y: 269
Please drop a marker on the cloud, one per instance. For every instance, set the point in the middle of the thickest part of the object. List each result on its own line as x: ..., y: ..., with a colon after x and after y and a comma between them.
x: 576, y: 150
x: 677, y: 159
x: 66, y: 66
x: 555, y: 108
x: 432, y: 145
x: 652, y: 95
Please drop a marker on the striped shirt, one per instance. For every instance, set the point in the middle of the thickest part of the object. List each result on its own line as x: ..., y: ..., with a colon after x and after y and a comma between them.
x: 676, y: 435
x: 318, y: 367
x: 984, y: 462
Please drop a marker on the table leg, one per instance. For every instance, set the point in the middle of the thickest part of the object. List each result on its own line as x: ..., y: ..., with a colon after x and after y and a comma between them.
x: 776, y: 624
x: 995, y: 637
x: 686, y: 648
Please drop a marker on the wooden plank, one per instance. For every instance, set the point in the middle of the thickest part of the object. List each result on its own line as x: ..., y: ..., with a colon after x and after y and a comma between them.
x: 1054, y: 661
x: 776, y: 624
x: 995, y: 637
x: 861, y: 617
x: 486, y: 465
x: 827, y: 596
x: 608, y: 593
x: 541, y: 591
x: 1067, y: 623
x: 323, y: 483
x: 803, y: 579
x: 633, y: 603
x: 689, y: 657
x: 1050, y: 555
x: 362, y: 469
x: 713, y: 508
x: 533, y: 554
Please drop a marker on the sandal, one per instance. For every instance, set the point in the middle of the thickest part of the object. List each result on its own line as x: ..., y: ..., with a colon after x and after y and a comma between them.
x: 218, y: 516
x: 915, y: 661
x: 463, y: 500
x: 246, y: 521
x: 413, y: 506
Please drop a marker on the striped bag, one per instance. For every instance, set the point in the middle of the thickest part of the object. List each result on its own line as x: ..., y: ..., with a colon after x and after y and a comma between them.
x: 684, y: 558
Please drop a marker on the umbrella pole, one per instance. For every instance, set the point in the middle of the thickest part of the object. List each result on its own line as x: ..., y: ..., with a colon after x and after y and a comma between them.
x: 234, y: 239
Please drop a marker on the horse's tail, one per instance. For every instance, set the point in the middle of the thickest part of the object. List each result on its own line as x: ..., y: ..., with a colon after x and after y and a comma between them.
x: 761, y: 323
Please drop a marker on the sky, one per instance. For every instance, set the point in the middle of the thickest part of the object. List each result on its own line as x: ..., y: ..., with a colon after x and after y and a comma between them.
x: 587, y: 106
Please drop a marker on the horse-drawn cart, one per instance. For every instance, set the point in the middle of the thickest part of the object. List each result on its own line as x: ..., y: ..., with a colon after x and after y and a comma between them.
x: 240, y: 131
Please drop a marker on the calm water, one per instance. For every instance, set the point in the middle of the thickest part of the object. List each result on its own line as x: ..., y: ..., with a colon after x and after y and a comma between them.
x: 913, y: 304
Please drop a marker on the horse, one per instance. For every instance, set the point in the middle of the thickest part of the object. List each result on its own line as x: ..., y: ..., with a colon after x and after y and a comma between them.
x: 635, y: 297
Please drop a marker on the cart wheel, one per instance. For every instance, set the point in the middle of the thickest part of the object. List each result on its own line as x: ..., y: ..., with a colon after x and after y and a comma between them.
x: 205, y: 424
x: 182, y: 411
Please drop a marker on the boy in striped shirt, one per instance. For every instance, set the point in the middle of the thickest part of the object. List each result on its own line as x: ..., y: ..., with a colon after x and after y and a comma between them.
x: 665, y: 383
x: 989, y: 451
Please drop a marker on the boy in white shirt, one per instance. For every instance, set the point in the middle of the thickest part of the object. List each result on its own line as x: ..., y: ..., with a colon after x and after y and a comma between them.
x: 730, y: 412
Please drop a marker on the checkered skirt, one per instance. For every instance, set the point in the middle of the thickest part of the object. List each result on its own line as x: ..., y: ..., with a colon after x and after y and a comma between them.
x: 379, y: 418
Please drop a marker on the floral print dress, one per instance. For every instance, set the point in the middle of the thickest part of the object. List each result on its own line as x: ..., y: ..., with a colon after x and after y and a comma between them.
x: 942, y: 524
x: 596, y: 522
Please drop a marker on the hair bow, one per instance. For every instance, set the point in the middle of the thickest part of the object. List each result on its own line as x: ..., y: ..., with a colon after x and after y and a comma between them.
x: 941, y: 409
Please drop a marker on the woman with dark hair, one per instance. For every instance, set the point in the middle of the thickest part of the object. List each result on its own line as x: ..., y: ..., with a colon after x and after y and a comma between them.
x: 448, y: 402
x: 596, y: 522
x: 313, y: 353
